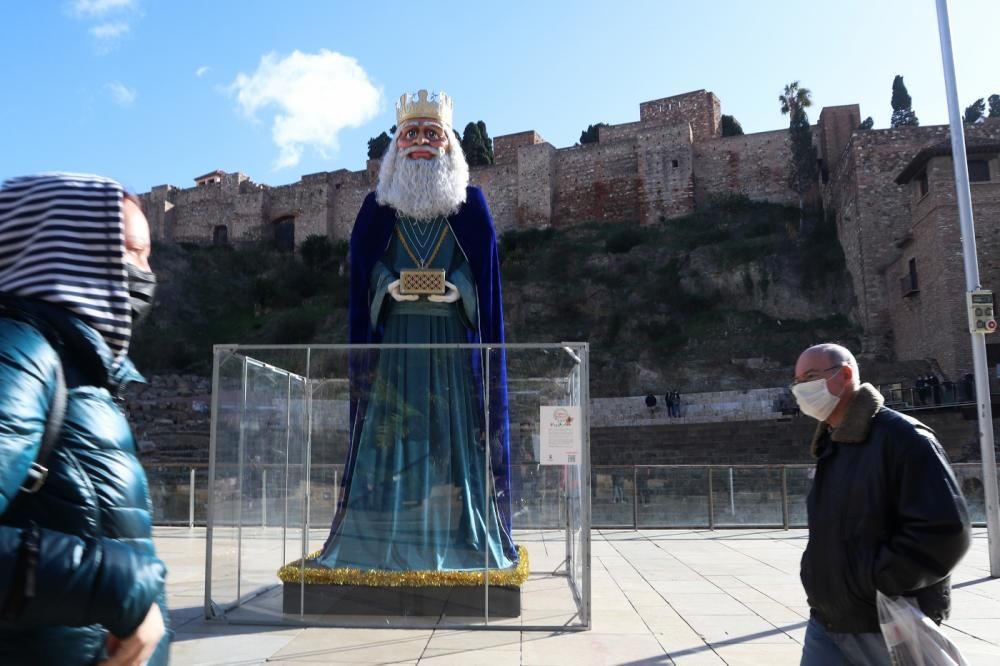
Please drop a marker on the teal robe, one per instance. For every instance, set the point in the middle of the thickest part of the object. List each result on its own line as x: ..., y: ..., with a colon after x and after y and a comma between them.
x: 421, y: 496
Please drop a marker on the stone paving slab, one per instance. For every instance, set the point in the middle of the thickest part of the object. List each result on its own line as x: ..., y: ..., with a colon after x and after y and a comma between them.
x: 685, y: 597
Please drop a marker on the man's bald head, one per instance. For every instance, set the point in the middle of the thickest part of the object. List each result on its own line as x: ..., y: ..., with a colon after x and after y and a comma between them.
x: 837, y: 368
x: 827, y: 355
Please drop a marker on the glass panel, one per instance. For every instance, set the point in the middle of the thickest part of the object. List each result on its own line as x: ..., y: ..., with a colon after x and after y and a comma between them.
x: 970, y: 480
x: 261, y: 473
x: 799, y: 480
x: 746, y: 496
x: 170, y: 492
x: 222, y: 535
x: 546, y: 504
x: 613, y: 491
x: 675, y: 496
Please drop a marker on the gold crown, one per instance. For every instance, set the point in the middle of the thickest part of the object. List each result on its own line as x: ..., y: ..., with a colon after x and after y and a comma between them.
x: 424, y: 105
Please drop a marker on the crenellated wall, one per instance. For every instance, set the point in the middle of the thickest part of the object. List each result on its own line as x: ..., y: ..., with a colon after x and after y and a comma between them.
x: 596, y: 183
x: 927, y: 308
x: 663, y: 166
x: 873, y: 216
x: 699, y: 108
x: 753, y: 164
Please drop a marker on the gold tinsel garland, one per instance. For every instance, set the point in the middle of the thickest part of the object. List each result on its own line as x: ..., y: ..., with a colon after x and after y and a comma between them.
x: 293, y: 572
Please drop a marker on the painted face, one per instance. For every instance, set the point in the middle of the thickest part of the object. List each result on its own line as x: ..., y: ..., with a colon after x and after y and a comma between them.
x: 422, y: 139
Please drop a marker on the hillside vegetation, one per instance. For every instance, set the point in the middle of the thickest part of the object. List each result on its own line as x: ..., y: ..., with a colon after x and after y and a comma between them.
x: 722, y: 299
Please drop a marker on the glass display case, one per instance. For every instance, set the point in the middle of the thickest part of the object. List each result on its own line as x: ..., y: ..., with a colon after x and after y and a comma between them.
x: 400, y: 485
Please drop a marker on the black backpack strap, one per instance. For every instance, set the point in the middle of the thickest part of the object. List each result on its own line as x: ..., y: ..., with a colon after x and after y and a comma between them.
x: 57, y: 409
x: 53, y: 426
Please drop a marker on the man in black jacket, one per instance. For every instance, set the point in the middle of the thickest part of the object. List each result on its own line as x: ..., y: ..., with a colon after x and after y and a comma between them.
x: 885, y: 512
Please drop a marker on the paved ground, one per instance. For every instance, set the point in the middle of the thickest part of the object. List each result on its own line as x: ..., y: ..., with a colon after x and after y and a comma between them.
x: 659, y: 597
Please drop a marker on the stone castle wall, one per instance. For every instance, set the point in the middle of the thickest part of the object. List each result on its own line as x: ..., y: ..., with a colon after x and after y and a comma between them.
x: 595, y: 182
x: 668, y: 164
x: 699, y: 108
x: 872, y: 214
x: 753, y: 164
x: 643, y: 171
x: 930, y: 322
x: 881, y: 225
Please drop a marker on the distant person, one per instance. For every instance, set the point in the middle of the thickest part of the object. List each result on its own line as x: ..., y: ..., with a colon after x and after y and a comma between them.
x: 618, y: 488
x: 669, y: 399
x: 885, y: 512
x: 969, y: 386
x: 80, y: 582
x: 934, y: 384
x: 642, y: 489
x: 920, y: 388
x: 676, y: 399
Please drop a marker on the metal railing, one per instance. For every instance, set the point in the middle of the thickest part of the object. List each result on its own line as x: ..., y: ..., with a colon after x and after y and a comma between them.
x: 625, y: 496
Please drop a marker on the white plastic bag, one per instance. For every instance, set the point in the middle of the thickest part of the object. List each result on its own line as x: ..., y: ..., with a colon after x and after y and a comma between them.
x: 912, y: 638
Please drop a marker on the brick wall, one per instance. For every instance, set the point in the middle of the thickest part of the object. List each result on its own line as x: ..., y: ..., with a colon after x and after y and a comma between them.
x: 931, y: 322
x: 505, y: 146
x: 834, y: 131
x: 642, y: 171
x: 347, y: 192
x: 623, y: 132
x: 872, y: 215
x: 700, y: 108
x: 665, y: 165
x: 499, y: 184
x: 753, y: 164
x: 535, y: 181
x: 595, y: 182
x: 779, y: 441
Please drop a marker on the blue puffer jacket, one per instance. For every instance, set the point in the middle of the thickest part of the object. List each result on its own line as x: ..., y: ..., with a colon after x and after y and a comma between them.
x: 96, y: 570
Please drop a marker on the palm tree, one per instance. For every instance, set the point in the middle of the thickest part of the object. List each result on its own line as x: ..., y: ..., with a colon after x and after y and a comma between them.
x: 794, y: 98
x: 803, y: 169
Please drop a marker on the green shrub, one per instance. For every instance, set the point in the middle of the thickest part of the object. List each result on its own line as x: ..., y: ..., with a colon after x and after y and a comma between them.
x: 316, y: 251
x: 623, y: 240
x: 296, y: 327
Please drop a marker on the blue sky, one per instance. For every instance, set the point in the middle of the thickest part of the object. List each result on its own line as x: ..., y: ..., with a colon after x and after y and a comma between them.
x: 153, y: 92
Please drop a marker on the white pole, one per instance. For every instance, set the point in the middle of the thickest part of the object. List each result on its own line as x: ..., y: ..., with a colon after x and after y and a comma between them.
x: 964, y: 198
x: 263, y: 498
x: 732, y: 499
x: 191, y: 503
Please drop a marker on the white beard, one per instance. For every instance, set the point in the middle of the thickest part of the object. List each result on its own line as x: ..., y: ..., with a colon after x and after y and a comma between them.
x: 423, y: 189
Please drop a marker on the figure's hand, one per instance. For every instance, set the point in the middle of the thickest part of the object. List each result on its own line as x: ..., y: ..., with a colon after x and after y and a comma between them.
x: 137, y: 648
x: 450, y: 294
x: 393, y: 290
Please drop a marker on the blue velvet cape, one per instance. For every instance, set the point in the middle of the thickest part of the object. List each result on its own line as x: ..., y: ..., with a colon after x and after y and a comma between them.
x: 475, y: 233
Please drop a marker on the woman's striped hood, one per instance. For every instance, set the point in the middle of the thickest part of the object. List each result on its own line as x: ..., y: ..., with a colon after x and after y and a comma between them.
x: 61, y: 241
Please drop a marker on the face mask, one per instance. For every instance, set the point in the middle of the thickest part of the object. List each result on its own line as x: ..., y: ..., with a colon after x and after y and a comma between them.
x: 141, y: 287
x: 815, y: 399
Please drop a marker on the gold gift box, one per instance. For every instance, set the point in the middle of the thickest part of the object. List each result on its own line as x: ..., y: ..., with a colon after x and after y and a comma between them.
x: 421, y: 282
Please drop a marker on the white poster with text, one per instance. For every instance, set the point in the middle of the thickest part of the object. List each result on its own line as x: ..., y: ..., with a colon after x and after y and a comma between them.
x: 561, y: 435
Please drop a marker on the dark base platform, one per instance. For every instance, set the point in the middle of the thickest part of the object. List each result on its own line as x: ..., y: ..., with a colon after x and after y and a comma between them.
x: 401, y: 601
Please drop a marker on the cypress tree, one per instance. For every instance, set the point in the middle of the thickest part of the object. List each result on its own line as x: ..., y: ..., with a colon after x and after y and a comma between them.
x: 474, y: 147
x: 487, y: 141
x: 975, y: 112
x: 994, y: 106
x: 902, y: 105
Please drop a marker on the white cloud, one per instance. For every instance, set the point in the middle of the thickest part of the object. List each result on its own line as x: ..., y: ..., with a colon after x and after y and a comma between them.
x: 315, y: 95
x: 202, y: 71
x: 121, y: 94
x: 109, y: 30
x: 99, y: 7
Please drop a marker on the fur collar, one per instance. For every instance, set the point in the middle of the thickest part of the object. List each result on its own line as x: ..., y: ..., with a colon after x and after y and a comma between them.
x: 857, y: 421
